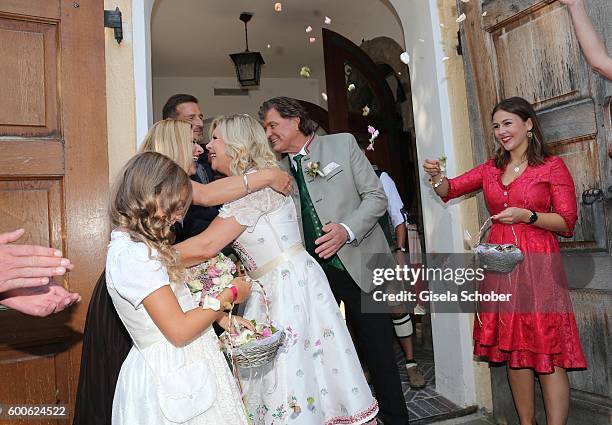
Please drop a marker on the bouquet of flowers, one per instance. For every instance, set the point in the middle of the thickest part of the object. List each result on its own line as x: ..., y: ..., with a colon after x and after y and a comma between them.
x: 207, y: 280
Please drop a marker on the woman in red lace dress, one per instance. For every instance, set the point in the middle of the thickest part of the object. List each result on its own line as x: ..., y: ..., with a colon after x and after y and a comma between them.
x: 531, y: 192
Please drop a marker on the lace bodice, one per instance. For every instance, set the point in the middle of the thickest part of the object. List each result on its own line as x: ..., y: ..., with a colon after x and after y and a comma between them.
x: 272, y: 226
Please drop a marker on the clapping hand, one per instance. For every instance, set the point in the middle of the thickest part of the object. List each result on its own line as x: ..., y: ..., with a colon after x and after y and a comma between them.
x: 28, y: 265
x: 40, y: 301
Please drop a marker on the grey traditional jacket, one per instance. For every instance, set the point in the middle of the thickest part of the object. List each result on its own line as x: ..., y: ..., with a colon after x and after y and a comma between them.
x: 349, y: 193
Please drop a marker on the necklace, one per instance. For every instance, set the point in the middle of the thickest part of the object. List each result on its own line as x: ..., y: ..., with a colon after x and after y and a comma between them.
x: 517, y: 167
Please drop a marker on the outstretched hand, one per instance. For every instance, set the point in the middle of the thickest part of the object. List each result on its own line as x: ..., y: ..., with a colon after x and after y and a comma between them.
x: 28, y: 265
x: 40, y: 301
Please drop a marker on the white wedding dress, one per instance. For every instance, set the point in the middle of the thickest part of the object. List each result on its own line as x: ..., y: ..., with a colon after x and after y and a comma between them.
x: 131, y: 276
x: 317, y: 378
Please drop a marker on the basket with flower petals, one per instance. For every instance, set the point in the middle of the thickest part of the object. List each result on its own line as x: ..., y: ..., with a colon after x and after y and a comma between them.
x: 250, y: 349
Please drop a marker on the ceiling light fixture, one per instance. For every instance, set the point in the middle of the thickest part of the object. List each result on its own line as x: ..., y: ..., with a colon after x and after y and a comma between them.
x: 248, y: 64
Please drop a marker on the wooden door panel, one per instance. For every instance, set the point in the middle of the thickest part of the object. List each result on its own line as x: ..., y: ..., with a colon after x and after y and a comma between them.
x: 23, y: 157
x: 569, y: 121
x: 35, y: 205
x: 29, y: 84
x: 53, y: 179
x: 582, y: 160
x: 550, y: 70
x: 41, y: 386
x: 48, y: 9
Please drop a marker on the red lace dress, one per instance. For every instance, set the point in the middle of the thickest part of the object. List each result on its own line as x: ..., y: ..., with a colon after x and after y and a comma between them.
x: 537, y: 329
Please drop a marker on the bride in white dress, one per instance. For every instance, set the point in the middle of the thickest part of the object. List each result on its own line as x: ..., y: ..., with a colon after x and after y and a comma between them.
x: 168, y: 330
x: 316, y: 378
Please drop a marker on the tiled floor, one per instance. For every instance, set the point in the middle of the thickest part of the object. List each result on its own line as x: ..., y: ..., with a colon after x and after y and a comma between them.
x: 426, y: 406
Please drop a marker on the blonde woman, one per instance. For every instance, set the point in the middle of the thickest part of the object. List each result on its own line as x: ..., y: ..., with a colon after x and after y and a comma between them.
x: 316, y: 378
x: 169, y: 332
x: 173, y: 138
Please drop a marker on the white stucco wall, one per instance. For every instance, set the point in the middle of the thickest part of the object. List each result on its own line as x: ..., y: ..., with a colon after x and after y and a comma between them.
x: 452, y: 334
x: 211, y: 105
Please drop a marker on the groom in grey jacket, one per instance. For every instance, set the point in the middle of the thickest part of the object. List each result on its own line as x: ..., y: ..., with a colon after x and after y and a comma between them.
x: 339, y: 203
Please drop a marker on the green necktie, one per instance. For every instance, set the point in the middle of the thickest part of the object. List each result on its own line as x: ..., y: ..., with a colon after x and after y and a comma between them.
x: 311, y: 224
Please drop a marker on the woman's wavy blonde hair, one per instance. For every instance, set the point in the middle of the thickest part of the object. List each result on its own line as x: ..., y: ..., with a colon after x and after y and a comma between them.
x: 245, y: 143
x: 171, y: 138
x: 150, y: 182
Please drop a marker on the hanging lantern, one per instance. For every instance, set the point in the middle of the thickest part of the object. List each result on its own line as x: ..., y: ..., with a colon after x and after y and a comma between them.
x: 248, y: 64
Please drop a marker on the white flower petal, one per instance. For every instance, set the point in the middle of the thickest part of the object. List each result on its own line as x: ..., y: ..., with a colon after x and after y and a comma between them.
x: 308, y: 28
x: 324, y: 96
x: 445, y: 58
x: 484, y: 13
x: 312, y: 40
x: 278, y: 7
x: 461, y: 18
x: 327, y: 20
x: 405, y: 57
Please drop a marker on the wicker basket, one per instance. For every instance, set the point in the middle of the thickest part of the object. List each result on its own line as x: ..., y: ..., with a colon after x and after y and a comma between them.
x: 255, y: 353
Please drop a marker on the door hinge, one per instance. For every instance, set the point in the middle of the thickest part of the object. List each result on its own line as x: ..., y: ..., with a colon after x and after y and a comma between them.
x: 112, y: 19
x: 459, y: 47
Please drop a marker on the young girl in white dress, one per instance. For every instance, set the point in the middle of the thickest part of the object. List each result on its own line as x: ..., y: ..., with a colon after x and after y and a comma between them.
x: 144, y: 280
x: 316, y: 378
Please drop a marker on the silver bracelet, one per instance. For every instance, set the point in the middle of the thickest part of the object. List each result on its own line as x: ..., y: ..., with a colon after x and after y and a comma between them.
x: 245, y: 180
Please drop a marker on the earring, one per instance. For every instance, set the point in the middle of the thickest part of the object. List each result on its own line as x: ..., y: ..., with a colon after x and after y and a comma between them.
x: 529, y: 135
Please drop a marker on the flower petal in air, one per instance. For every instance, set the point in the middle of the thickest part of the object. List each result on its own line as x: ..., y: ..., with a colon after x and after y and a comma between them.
x: 278, y: 7
x: 405, y: 57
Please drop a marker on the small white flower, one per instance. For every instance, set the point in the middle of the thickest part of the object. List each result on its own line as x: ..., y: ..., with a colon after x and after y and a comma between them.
x: 461, y: 18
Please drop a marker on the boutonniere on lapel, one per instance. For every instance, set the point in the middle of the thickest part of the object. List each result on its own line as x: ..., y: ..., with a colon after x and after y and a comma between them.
x: 313, y: 169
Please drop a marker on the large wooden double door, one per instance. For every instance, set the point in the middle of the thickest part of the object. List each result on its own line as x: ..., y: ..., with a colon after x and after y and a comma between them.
x: 53, y: 179
x: 528, y: 48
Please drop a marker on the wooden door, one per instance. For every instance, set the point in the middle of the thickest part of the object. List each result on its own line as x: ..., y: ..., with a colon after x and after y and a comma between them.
x: 53, y: 179
x: 528, y: 48
x: 394, y: 151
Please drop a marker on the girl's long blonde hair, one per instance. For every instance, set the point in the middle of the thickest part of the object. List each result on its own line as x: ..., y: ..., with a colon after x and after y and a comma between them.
x: 148, y: 183
x: 171, y: 138
x: 245, y: 143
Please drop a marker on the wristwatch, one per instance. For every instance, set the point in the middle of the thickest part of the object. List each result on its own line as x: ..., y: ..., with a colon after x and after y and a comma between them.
x: 533, y: 217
